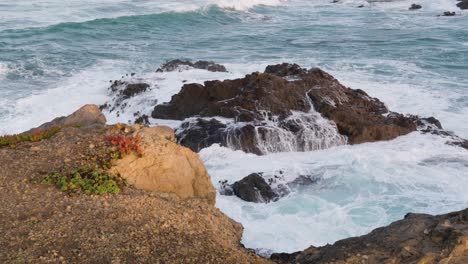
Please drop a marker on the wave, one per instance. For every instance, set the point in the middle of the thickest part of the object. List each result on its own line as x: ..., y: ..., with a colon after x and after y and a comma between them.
x: 3, y: 70
x: 83, y: 11
x: 360, y: 188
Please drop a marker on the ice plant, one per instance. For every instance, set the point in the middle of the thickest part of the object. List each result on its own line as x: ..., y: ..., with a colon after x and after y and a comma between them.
x: 126, y: 145
x: 38, y: 135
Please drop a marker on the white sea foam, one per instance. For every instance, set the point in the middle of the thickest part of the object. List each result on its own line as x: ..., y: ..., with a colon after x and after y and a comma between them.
x: 362, y: 187
x: 3, y: 70
x: 85, y: 87
x: 243, y: 5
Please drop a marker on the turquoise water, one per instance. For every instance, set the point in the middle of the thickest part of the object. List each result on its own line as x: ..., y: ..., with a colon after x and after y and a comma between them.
x: 56, y: 56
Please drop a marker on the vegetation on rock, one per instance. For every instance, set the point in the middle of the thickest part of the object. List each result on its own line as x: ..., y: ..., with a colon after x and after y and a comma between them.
x: 85, y: 180
x: 13, y: 140
x: 125, y: 145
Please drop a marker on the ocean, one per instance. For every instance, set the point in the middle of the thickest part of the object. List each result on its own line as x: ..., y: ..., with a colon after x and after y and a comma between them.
x: 56, y: 56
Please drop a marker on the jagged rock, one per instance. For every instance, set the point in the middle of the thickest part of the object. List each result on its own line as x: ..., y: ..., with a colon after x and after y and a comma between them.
x: 448, y: 13
x: 418, y: 238
x: 266, y: 102
x: 254, y: 188
x: 122, y: 90
x: 285, y: 69
x: 180, y: 65
x: 165, y: 167
x: 415, y: 7
x: 200, y: 133
x: 463, y: 4
x: 133, y: 89
x: 87, y: 115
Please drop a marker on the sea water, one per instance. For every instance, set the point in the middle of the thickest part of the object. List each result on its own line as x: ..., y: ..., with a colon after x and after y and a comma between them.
x: 57, y: 55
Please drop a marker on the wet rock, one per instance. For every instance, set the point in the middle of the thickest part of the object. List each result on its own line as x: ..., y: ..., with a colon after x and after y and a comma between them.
x: 265, y: 106
x: 448, y: 13
x: 133, y: 89
x: 415, y: 7
x: 285, y: 69
x: 254, y: 188
x: 179, y: 65
x: 121, y: 91
x: 201, y: 133
x: 463, y: 4
x: 418, y: 238
x: 88, y: 115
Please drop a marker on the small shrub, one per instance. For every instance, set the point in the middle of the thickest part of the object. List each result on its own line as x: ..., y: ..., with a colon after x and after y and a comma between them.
x: 85, y: 180
x: 13, y: 140
x: 125, y: 146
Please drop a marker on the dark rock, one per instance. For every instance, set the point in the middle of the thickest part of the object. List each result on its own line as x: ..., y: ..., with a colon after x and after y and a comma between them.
x: 121, y: 91
x: 253, y: 188
x: 463, y: 4
x: 448, y: 13
x: 418, y: 238
x: 285, y: 69
x: 174, y: 65
x: 133, y: 89
x: 259, y: 99
x: 415, y: 7
x: 141, y: 119
x: 200, y: 133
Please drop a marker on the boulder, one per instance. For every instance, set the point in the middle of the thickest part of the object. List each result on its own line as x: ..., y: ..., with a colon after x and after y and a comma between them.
x: 179, y: 65
x: 254, y: 188
x: 282, y: 110
x: 418, y: 238
x: 87, y: 115
x: 448, y: 13
x: 415, y: 7
x: 165, y: 167
x: 463, y: 4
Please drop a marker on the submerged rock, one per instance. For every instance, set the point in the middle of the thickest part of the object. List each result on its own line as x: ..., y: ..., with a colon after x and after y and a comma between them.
x: 179, y: 65
x: 254, y: 188
x: 415, y: 7
x: 448, y: 13
x: 282, y: 110
x: 418, y: 238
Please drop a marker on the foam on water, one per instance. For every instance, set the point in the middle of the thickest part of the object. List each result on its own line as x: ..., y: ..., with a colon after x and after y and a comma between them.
x: 85, y: 87
x: 3, y: 70
x: 361, y: 187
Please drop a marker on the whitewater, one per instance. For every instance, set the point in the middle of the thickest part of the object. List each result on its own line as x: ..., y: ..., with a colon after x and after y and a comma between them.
x: 414, y: 61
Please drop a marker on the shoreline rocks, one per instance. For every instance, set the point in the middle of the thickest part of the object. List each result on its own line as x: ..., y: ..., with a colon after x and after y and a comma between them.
x: 180, y: 65
x: 87, y: 115
x: 418, y: 238
x: 281, y: 109
x: 165, y: 166
x: 463, y: 4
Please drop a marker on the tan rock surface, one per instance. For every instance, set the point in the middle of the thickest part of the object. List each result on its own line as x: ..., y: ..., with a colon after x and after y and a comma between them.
x: 40, y: 224
x: 165, y: 167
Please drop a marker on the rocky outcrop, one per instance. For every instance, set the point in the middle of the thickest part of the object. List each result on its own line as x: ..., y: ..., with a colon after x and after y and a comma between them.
x: 463, y: 4
x: 165, y: 167
x: 418, y: 238
x: 180, y: 65
x: 254, y: 188
x: 282, y: 110
x: 264, y: 188
x: 87, y: 115
x: 415, y: 7
x: 121, y: 91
